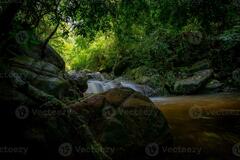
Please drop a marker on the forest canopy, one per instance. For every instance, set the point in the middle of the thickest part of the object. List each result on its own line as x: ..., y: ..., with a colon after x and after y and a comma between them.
x: 100, y: 34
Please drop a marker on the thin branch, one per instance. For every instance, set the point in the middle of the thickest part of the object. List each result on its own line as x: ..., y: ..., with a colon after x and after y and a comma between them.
x: 48, y: 39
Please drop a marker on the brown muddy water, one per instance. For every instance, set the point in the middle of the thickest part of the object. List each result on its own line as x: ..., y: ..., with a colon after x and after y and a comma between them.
x: 204, y: 127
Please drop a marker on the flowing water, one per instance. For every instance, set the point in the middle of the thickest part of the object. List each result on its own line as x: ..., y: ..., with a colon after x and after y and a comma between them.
x: 204, y: 127
x: 99, y: 86
x: 207, y: 125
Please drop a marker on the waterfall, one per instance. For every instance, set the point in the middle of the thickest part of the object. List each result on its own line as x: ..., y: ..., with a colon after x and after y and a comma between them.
x: 133, y: 86
x: 95, y: 86
x: 100, y: 86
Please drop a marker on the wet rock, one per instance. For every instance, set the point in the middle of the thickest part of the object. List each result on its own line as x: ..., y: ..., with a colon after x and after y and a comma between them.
x: 80, y: 79
x: 125, y: 121
x: 143, y: 75
x: 33, y: 93
x: 95, y: 76
x: 108, y: 76
x: 193, y: 84
x: 44, y: 76
x: 213, y: 86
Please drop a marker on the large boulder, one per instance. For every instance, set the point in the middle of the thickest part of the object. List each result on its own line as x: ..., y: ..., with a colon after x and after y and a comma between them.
x: 213, y: 86
x: 193, y: 84
x: 44, y: 72
x: 95, y: 76
x: 44, y: 76
x: 35, y: 115
x: 80, y: 78
x: 125, y: 121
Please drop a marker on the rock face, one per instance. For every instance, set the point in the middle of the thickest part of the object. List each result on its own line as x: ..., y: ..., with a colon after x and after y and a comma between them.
x: 95, y: 76
x: 44, y: 76
x: 214, y: 86
x: 80, y: 78
x: 111, y: 125
x: 46, y: 73
x: 194, y: 83
x: 125, y: 121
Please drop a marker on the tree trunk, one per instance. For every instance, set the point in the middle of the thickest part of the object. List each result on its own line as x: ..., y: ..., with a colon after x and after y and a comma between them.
x: 7, y: 17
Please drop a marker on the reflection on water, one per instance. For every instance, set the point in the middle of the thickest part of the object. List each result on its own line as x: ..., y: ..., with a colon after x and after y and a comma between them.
x: 209, y: 122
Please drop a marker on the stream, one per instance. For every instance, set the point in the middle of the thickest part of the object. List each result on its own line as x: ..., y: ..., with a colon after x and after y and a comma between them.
x: 99, y: 86
x: 208, y: 122
x: 203, y: 126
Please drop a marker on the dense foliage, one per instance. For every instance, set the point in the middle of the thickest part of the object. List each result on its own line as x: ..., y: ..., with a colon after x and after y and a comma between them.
x: 157, y: 34
x: 102, y: 35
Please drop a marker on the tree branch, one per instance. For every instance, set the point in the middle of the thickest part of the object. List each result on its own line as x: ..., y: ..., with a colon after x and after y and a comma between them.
x: 48, y: 39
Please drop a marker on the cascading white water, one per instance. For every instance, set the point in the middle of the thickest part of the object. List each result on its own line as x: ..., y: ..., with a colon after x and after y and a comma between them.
x: 97, y: 86
x: 133, y: 86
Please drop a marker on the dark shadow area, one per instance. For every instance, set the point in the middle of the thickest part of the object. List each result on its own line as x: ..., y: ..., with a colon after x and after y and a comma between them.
x: 119, y: 79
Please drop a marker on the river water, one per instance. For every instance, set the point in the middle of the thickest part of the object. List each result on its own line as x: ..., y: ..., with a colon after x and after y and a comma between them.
x: 207, y: 125
x: 204, y: 127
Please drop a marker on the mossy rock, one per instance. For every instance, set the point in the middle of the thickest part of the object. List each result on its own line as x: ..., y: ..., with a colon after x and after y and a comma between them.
x: 192, y: 84
x: 125, y: 121
x: 44, y: 76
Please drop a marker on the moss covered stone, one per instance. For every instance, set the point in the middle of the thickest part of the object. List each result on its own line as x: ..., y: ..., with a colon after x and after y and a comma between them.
x: 124, y: 120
